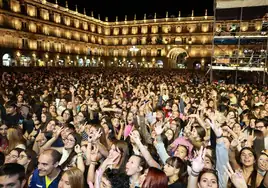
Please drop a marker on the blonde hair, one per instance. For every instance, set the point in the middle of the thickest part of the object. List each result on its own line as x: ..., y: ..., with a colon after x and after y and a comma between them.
x: 15, y: 138
x: 76, y: 177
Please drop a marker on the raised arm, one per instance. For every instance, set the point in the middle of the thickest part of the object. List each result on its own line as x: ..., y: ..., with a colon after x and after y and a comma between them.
x: 146, y: 154
x: 197, y: 166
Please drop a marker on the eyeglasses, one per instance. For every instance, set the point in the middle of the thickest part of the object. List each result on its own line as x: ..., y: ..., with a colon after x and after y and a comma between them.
x: 260, y: 127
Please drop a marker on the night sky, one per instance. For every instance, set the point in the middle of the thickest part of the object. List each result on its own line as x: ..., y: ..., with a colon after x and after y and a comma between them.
x: 120, y: 8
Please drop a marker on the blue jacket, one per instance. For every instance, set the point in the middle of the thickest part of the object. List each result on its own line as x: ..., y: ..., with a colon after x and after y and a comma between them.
x: 40, y: 181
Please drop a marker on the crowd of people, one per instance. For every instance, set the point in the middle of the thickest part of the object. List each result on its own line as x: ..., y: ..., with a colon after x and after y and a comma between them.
x: 74, y: 128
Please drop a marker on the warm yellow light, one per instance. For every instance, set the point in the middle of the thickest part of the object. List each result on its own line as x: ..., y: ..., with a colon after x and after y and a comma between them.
x: 18, y: 54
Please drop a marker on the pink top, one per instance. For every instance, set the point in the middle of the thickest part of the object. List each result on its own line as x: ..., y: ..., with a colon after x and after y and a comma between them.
x: 128, y: 130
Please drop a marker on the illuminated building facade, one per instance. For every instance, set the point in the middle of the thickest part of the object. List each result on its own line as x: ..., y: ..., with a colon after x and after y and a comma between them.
x: 39, y: 33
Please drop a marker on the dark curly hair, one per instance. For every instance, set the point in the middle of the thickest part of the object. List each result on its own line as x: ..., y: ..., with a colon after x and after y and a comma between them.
x: 117, y: 180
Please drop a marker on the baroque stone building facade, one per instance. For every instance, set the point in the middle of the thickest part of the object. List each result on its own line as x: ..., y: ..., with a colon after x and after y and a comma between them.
x: 39, y: 33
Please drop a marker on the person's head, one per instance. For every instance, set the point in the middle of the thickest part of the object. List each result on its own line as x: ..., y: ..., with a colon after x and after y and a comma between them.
x: 67, y: 115
x: 14, y: 134
x: 209, y: 162
x: 231, y: 115
x: 198, y: 132
x: 210, y: 103
x: 154, y: 178
x: 174, y: 167
x: 72, y: 178
x: 28, y: 159
x: 169, y: 134
x: 174, y: 125
x: 3, y: 130
x: 121, y: 148
x: 52, y: 109
x: 51, y: 125
x: 84, y: 108
x: 160, y: 115
x: 130, y: 118
x: 252, y: 123
x: 94, y: 129
x: 11, y: 108
x: 135, y: 165
x: 247, y: 157
x: 208, y: 179
x: 12, y: 175
x: 263, y: 161
x: 72, y: 140
x: 114, y: 180
x: 35, y: 119
x: 137, y: 134
x: 116, y: 122
x: 261, y: 125
x: 13, y: 155
x: 181, y: 152
x: 48, y: 161
x: 237, y: 128
x: 81, y: 117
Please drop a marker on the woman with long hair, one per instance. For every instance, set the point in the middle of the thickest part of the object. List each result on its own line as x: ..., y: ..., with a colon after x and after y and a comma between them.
x: 115, y: 163
x: 175, y: 169
x: 15, y: 139
x: 28, y: 159
x: 154, y: 178
x: 247, y: 159
x: 72, y: 178
x: 71, y: 151
x: 134, y: 169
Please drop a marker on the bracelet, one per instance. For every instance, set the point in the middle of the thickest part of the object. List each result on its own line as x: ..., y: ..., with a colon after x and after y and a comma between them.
x: 195, y: 175
x: 94, y: 162
x: 194, y: 172
x: 80, y: 154
x: 218, y: 137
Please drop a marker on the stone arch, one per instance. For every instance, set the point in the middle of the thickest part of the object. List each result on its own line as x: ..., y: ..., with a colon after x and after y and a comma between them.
x: 177, y: 56
x: 174, y: 52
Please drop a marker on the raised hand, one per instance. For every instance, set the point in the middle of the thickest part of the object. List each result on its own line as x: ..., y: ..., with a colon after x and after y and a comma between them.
x: 97, y: 135
x: 217, y: 130
x: 135, y: 137
x: 250, y: 139
x: 235, y: 142
x: 236, y: 177
x: 77, y: 149
x: 94, y: 153
x: 113, y: 158
x: 72, y: 89
x: 159, y: 128
x: 198, y: 163
x: 58, y: 132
